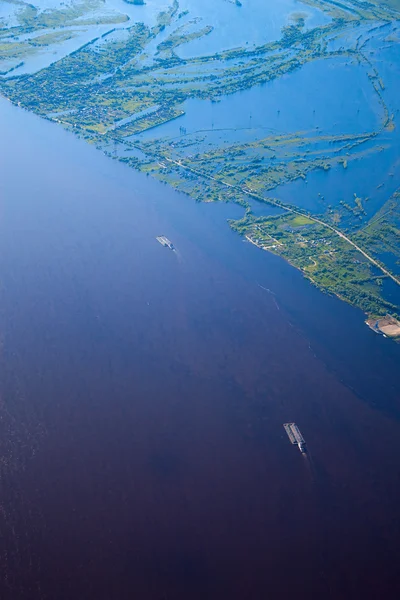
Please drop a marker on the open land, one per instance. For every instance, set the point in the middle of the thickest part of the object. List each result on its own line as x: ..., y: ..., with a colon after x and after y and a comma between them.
x: 121, y: 80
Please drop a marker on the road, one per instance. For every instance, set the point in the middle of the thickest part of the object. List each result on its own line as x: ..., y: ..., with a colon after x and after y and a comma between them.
x: 288, y: 209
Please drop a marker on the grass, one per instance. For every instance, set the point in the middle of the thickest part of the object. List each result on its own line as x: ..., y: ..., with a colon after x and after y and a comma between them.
x: 300, y: 220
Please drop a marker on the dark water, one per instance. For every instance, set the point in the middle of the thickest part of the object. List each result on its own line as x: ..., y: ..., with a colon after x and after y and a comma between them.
x: 143, y: 394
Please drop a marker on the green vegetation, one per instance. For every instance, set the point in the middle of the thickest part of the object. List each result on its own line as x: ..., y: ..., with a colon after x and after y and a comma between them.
x: 179, y: 37
x: 36, y: 30
x: 382, y: 233
x: 326, y: 259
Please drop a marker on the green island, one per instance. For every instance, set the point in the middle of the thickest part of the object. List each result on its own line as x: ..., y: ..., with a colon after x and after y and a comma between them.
x: 122, y: 81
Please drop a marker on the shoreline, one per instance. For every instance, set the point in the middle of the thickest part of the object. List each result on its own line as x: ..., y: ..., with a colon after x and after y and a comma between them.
x: 388, y: 326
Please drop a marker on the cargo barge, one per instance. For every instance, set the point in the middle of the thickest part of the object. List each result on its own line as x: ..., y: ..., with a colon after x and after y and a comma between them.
x: 294, y: 435
x: 164, y: 241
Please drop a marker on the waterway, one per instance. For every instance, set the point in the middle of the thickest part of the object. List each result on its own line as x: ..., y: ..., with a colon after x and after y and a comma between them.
x: 257, y: 20
x: 261, y: 110
x: 233, y: 25
x: 143, y: 392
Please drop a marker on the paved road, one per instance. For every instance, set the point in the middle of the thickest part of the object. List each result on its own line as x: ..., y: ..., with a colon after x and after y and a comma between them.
x: 288, y: 209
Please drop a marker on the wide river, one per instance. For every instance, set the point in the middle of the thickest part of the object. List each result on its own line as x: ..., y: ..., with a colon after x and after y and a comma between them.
x: 143, y: 392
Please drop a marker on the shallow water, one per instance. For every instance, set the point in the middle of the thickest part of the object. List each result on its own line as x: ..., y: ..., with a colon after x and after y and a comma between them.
x: 269, y: 107
x: 363, y: 176
x: 226, y: 18
x: 43, y: 57
x: 260, y: 21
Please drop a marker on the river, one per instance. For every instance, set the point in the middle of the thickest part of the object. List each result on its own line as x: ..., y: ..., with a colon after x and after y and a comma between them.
x: 143, y: 393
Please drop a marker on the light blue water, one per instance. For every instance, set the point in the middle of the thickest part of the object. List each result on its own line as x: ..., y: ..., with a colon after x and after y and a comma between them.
x: 295, y: 102
x: 43, y: 57
x: 233, y: 26
x: 365, y: 175
x: 386, y: 59
x: 255, y: 22
x: 362, y: 177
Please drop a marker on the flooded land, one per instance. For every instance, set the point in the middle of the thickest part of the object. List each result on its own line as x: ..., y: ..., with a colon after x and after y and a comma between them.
x: 203, y: 98
x: 200, y: 213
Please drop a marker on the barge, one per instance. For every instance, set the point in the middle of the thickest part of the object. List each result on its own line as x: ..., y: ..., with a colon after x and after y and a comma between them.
x: 164, y: 241
x: 294, y: 435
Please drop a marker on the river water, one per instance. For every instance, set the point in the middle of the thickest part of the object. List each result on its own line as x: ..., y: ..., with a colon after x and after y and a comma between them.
x: 143, y: 393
